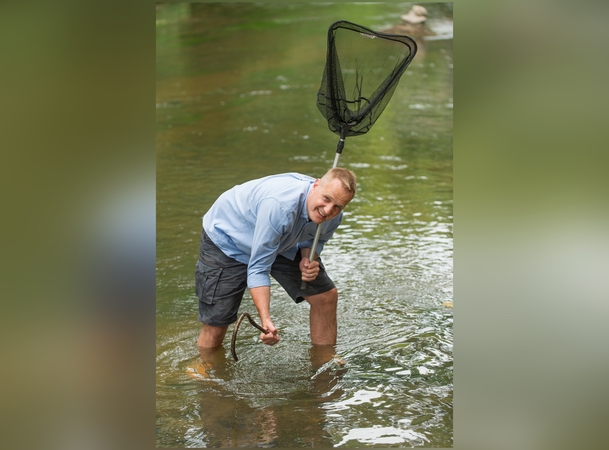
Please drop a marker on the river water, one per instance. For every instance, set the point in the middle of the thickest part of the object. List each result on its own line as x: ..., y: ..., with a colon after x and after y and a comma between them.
x: 236, y: 92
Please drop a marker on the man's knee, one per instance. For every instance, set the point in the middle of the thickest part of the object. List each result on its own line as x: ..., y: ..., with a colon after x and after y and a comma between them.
x: 332, y: 296
x: 328, y: 299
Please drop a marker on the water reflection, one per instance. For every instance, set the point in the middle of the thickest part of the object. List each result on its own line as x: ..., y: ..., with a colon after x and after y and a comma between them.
x: 393, y: 380
x: 254, y: 404
x: 384, y: 435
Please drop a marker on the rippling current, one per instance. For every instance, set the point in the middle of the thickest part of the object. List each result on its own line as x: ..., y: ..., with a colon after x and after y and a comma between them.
x: 236, y: 85
x: 391, y: 383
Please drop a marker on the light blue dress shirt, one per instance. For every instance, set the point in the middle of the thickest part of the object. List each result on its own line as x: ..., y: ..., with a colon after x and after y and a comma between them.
x: 255, y: 221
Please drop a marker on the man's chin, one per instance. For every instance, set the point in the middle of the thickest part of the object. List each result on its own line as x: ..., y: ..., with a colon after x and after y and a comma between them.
x: 317, y: 218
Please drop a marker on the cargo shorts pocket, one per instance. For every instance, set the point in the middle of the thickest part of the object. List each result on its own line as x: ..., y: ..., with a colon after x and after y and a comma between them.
x: 206, y: 282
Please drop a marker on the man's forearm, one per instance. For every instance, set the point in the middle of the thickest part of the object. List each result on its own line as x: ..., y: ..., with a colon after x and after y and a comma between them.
x: 262, y: 300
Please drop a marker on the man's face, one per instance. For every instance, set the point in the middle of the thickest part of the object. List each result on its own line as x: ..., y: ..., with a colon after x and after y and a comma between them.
x: 327, y: 201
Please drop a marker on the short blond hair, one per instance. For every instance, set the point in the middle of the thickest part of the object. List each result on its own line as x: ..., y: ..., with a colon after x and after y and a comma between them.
x: 346, y: 177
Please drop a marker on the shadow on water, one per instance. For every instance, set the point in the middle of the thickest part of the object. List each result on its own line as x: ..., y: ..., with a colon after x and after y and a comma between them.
x: 236, y: 90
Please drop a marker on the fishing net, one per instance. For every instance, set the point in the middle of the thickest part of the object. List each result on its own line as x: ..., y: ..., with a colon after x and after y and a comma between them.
x: 362, y: 70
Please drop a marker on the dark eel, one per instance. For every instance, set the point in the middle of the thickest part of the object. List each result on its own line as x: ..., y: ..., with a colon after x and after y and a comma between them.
x: 234, y: 338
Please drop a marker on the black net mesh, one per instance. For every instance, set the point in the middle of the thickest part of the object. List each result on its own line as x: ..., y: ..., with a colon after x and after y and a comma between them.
x: 362, y: 70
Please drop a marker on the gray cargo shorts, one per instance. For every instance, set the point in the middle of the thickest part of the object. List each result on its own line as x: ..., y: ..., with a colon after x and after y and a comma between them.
x: 220, y: 282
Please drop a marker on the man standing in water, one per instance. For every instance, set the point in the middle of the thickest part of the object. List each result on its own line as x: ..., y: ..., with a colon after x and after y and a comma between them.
x: 263, y: 228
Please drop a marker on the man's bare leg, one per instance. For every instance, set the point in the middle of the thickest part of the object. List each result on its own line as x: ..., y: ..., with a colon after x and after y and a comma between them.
x: 321, y: 354
x: 322, y: 317
x: 210, y: 348
x: 211, y: 337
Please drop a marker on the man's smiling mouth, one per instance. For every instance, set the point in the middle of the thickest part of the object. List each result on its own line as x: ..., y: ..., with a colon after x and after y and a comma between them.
x: 320, y: 213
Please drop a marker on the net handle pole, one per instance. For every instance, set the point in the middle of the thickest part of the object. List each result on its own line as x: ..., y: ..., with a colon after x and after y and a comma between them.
x: 339, y: 149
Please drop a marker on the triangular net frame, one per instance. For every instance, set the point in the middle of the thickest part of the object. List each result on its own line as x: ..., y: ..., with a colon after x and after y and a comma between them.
x: 362, y: 70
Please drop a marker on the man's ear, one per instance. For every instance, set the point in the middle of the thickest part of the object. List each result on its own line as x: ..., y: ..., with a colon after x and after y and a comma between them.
x: 317, y: 181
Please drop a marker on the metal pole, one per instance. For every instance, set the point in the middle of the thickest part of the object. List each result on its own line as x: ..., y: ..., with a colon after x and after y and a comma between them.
x: 339, y: 149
